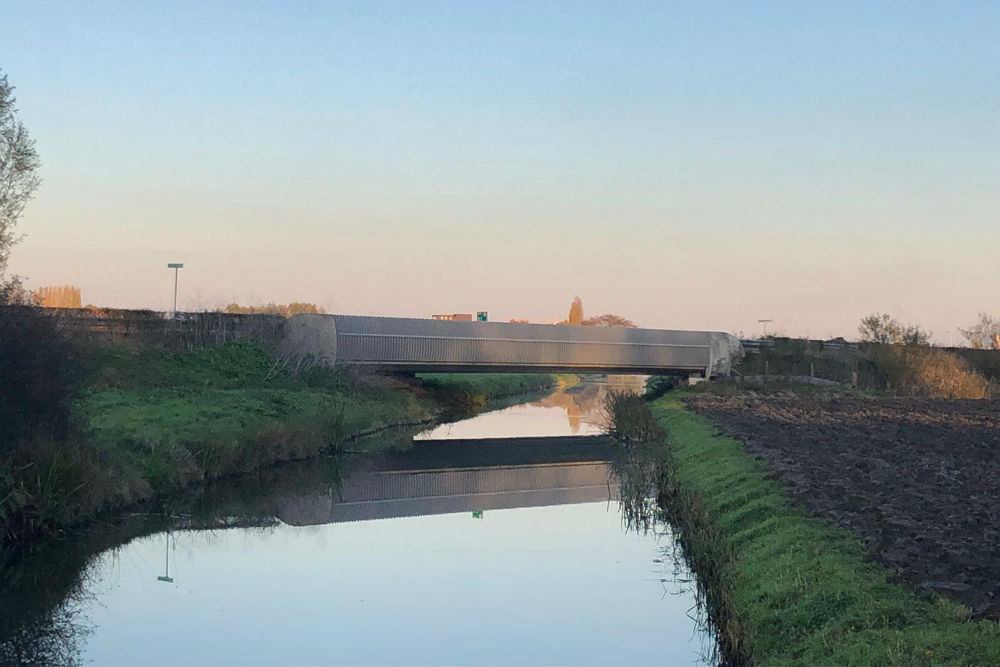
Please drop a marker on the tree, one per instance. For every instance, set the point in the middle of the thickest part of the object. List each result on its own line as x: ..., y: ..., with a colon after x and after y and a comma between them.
x: 609, y: 320
x: 285, y: 310
x: 879, y: 328
x: 62, y: 296
x: 914, y: 335
x: 18, y: 170
x: 984, y: 334
x: 884, y: 329
x: 575, y: 312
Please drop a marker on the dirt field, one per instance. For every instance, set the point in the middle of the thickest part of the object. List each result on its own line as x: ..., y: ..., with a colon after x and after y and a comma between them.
x: 917, y: 479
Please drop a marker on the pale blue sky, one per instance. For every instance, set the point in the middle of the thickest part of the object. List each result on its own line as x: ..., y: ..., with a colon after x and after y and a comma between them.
x: 691, y: 165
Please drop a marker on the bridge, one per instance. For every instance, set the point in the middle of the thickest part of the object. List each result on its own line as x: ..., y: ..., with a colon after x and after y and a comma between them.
x: 402, y: 345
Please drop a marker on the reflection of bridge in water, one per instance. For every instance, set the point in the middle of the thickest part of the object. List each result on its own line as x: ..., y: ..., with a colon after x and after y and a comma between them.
x: 453, y: 476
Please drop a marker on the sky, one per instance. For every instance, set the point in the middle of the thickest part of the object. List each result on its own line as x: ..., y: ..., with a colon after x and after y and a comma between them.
x: 691, y: 165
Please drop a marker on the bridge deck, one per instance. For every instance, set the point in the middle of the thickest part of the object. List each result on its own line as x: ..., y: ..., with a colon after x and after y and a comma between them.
x: 412, y: 345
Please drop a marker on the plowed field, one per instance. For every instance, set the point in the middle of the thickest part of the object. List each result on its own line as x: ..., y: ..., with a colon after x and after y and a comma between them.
x: 918, y: 480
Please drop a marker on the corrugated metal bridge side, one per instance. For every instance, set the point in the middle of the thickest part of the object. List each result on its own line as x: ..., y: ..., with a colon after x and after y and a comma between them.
x: 413, y: 345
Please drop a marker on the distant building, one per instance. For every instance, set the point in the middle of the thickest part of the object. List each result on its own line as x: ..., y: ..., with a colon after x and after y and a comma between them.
x: 459, y: 317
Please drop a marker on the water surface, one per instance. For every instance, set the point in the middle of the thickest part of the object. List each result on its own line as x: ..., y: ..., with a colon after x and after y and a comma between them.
x: 452, y: 552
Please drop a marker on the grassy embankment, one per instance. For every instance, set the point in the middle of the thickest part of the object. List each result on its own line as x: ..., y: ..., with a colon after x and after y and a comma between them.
x: 785, y: 588
x: 148, y: 422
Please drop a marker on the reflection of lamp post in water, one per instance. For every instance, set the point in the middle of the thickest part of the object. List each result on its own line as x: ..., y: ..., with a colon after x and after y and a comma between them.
x: 166, y: 565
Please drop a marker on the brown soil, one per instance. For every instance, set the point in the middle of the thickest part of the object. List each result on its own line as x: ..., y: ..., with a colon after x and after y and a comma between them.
x: 918, y: 480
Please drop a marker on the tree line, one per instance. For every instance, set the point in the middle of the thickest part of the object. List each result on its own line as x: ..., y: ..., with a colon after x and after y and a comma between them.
x: 576, y: 318
x: 882, y: 328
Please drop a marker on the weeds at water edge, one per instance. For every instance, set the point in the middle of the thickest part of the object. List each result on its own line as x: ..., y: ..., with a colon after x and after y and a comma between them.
x: 646, y: 464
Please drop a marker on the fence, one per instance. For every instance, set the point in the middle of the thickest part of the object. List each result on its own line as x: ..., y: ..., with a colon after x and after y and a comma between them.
x: 183, y: 332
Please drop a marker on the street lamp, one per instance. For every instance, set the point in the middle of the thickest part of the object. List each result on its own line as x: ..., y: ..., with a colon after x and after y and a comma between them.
x: 176, y: 266
x: 166, y: 578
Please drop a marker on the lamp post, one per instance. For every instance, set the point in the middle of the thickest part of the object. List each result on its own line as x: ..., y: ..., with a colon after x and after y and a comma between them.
x: 176, y: 266
x: 166, y: 578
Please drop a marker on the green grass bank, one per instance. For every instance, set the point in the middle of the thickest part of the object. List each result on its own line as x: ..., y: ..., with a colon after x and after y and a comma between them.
x: 147, y: 422
x: 785, y: 588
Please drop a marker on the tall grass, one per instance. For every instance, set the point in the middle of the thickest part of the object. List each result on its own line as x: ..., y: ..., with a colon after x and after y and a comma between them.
x: 907, y: 370
x: 920, y: 370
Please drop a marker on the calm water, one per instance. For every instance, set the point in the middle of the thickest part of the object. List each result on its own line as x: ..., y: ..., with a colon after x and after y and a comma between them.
x: 400, y: 559
x: 574, y: 411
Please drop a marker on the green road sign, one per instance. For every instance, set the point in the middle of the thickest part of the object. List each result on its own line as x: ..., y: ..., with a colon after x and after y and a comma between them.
x: 175, y: 266
x: 481, y: 316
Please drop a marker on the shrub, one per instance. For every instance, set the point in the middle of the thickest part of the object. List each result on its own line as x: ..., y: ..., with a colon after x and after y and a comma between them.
x: 658, y: 385
x: 917, y: 370
x: 42, y: 466
x: 629, y: 419
x: 40, y: 372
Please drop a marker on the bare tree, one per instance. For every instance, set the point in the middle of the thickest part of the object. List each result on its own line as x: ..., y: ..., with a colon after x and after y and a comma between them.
x: 18, y: 170
x: 984, y: 334
x: 885, y: 329
x: 285, y: 310
x: 879, y: 328
x: 914, y: 335
x: 609, y: 320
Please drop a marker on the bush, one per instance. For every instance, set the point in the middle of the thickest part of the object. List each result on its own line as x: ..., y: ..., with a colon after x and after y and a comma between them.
x: 40, y: 372
x: 628, y: 418
x: 44, y: 472
x: 658, y: 385
x: 793, y: 356
x: 916, y: 370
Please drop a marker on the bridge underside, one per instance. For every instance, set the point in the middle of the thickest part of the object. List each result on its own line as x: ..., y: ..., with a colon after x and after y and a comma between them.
x: 399, y: 345
x: 408, y: 368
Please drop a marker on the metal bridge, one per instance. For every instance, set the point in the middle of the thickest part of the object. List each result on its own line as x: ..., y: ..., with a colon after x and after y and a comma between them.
x: 394, y: 344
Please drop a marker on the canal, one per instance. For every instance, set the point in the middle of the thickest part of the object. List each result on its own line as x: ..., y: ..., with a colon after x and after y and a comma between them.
x: 445, y: 549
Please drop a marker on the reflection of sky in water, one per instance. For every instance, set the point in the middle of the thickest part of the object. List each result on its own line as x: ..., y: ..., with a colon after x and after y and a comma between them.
x: 573, y: 411
x: 517, y: 421
x: 548, y: 585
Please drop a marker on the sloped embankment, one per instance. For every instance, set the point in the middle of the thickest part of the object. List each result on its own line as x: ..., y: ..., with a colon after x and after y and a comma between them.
x: 794, y: 588
x: 148, y: 421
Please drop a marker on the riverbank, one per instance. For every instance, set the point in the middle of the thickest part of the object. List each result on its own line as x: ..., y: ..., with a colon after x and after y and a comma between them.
x: 147, y: 422
x: 785, y: 587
